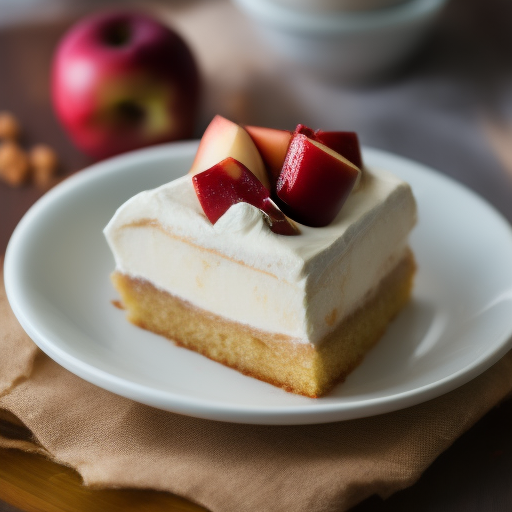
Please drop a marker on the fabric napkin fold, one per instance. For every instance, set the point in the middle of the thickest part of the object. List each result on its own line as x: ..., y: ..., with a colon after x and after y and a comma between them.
x: 115, y: 442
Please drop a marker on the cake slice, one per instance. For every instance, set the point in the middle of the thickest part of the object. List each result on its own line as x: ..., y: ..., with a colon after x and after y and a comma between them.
x: 299, y: 312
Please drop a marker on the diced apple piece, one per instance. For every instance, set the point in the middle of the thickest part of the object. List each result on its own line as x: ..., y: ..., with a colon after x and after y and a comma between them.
x: 272, y: 145
x: 304, y: 130
x: 222, y: 139
x: 344, y: 143
x: 315, y: 182
x: 225, y: 184
x: 278, y: 222
x: 230, y: 182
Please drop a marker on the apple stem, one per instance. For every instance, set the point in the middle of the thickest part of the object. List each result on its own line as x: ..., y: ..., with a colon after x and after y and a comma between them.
x: 117, y: 34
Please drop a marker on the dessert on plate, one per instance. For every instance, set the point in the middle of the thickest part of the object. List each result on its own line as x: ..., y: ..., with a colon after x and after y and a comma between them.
x: 279, y: 254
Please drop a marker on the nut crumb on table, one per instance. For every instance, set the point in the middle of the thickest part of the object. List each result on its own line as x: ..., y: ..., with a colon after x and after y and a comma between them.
x: 17, y: 166
x: 14, y: 164
x: 9, y: 126
x: 44, y: 163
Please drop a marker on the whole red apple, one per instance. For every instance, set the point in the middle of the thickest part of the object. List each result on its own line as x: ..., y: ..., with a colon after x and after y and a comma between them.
x: 121, y: 81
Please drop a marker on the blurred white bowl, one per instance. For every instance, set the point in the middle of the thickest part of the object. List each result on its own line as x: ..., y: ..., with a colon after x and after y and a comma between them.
x: 339, y: 5
x: 351, y: 47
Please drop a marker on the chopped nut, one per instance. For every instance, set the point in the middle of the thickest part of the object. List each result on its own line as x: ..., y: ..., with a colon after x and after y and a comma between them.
x: 9, y: 126
x: 14, y: 164
x: 44, y: 163
x: 43, y: 157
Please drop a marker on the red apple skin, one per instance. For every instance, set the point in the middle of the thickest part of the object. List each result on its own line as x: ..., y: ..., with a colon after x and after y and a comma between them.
x: 229, y: 182
x: 272, y: 145
x: 224, y: 138
x: 121, y: 81
x: 314, y: 185
x: 344, y: 143
x: 304, y: 130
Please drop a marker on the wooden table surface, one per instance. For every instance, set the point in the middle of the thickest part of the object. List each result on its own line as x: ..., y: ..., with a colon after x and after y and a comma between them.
x: 475, y: 474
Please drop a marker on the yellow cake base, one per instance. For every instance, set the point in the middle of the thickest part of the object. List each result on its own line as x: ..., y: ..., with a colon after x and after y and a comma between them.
x: 304, y: 369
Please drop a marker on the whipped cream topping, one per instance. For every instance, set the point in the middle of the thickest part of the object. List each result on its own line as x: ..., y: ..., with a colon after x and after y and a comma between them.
x: 241, y: 218
x: 300, y: 286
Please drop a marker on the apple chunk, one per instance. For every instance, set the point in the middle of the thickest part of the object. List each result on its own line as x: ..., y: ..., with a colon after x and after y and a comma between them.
x: 222, y: 139
x: 272, y: 145
x: 344, y: 143
x: 230, y: 182
x: 315, y: 182
x: 304, y: 130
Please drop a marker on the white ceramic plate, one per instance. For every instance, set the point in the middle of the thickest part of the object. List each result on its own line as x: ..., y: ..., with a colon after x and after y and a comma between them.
x: 458, y: 324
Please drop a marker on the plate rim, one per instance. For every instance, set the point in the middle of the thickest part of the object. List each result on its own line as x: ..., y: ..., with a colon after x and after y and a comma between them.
x: 217, y: 409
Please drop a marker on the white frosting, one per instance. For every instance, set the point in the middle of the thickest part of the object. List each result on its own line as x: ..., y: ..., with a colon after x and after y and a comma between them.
x: 300, y: 286
x: 241, y: 218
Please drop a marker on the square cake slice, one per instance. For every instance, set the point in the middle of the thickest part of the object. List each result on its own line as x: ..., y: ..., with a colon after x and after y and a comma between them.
x: 299, y: 312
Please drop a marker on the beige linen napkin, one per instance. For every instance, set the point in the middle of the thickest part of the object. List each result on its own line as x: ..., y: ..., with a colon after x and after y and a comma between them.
x: 115, y: 442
